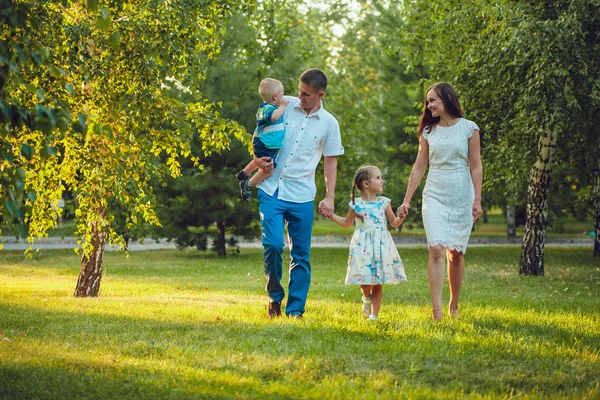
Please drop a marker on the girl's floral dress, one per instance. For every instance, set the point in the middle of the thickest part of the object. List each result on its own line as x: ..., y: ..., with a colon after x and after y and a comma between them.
x: 374, y: 259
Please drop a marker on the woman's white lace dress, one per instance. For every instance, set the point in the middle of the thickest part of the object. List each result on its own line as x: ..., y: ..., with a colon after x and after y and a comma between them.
x: 449, y: 194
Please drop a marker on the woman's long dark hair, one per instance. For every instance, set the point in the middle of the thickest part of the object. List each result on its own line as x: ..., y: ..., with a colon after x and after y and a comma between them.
x: 449, y: 98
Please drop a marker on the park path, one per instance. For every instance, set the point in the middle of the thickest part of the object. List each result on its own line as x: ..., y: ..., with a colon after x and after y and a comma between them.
x: 318, y: 241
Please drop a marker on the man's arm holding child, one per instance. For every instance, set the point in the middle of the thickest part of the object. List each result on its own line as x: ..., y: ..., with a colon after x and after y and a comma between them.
x: 264, y: 163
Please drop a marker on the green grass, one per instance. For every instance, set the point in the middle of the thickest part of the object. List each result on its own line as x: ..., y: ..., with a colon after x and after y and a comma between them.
x: 178, y: 325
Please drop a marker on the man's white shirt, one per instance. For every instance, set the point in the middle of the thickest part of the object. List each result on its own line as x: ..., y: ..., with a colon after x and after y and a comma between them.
x: 307, y: 138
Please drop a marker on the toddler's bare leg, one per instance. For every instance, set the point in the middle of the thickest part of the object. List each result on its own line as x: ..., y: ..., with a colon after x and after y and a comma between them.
x: 251, y: 167
x: 259, y: 177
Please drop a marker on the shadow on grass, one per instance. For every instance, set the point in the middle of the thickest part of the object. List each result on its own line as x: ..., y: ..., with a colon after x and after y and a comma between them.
x: 67, y: 354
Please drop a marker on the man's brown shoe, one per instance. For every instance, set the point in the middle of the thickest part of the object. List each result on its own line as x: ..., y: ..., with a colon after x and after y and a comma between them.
x: 274, y: 309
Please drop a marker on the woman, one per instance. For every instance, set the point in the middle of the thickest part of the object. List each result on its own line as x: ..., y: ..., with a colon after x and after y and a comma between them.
x: 452, y: 195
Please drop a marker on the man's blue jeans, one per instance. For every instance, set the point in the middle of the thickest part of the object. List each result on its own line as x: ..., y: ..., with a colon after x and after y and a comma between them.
x: 299, y: 217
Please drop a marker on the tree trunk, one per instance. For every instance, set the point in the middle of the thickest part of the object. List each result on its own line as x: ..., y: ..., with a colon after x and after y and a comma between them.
x: 536, y: 222
x: 511, y: 222
x: 90, y: 275
x: 220, y: 239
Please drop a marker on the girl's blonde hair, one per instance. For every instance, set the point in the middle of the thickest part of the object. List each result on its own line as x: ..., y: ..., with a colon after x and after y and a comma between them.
x: 363, y: 173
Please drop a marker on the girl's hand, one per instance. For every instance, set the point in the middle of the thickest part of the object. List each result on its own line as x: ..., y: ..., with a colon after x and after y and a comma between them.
x: 402, y: 218
x: 477, y: 211
x: 403, y: 209
x: 326, y: 208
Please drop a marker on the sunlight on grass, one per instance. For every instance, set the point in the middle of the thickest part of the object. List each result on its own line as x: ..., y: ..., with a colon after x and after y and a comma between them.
x: 188, y: 324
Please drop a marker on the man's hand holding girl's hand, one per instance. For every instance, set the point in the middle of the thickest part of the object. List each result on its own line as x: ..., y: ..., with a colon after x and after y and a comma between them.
x: 326, y: 208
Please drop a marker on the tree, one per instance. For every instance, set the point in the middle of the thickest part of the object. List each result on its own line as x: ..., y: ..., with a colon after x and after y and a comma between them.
x: 373, y: 95
x: 520, y: 67
x: 277, y: 40
x: 24, y: 106
x: 201, y: 205
x: 119, y: 61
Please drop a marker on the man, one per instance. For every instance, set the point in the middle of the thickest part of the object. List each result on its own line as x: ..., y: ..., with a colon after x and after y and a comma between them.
x: 288, y: 194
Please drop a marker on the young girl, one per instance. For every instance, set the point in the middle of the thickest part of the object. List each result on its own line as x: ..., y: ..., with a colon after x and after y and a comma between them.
x: 373, y: 258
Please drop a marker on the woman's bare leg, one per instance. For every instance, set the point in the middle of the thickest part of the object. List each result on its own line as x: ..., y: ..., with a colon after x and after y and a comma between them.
x: 436, y: 275
x: 456, y: 275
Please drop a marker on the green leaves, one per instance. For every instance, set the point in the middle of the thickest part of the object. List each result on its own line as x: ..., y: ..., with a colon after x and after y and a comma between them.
x: 44, y: 120
x: 69, y: 73
x: 92, y: 4
x: 20, y: 173
x: 103, y: 22
x: 115, y: 40
x: 27, y: 151
x: 79, y: 125
x: 48, y: 151
x: 97, y: 129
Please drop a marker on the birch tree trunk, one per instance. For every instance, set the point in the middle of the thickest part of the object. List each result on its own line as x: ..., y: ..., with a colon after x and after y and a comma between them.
x: 536, y: 221
x: 511, y: 222
x: 90, y: 275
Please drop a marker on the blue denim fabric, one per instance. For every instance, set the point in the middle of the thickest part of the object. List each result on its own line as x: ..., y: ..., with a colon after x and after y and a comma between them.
x: 299, y: 217
x: 260, y: 150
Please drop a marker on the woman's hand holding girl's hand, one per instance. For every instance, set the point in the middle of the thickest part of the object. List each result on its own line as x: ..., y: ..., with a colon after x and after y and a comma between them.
x: 403, y: 209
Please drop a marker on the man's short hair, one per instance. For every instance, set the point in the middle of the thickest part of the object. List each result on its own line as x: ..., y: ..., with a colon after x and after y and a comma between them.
x: 314, y: 77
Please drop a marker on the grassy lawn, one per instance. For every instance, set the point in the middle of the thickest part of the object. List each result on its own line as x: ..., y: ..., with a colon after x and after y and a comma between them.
x: 178, y: 325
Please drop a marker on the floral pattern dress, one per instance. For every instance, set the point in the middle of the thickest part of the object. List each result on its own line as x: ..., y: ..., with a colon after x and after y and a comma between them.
x: 373, y: 259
